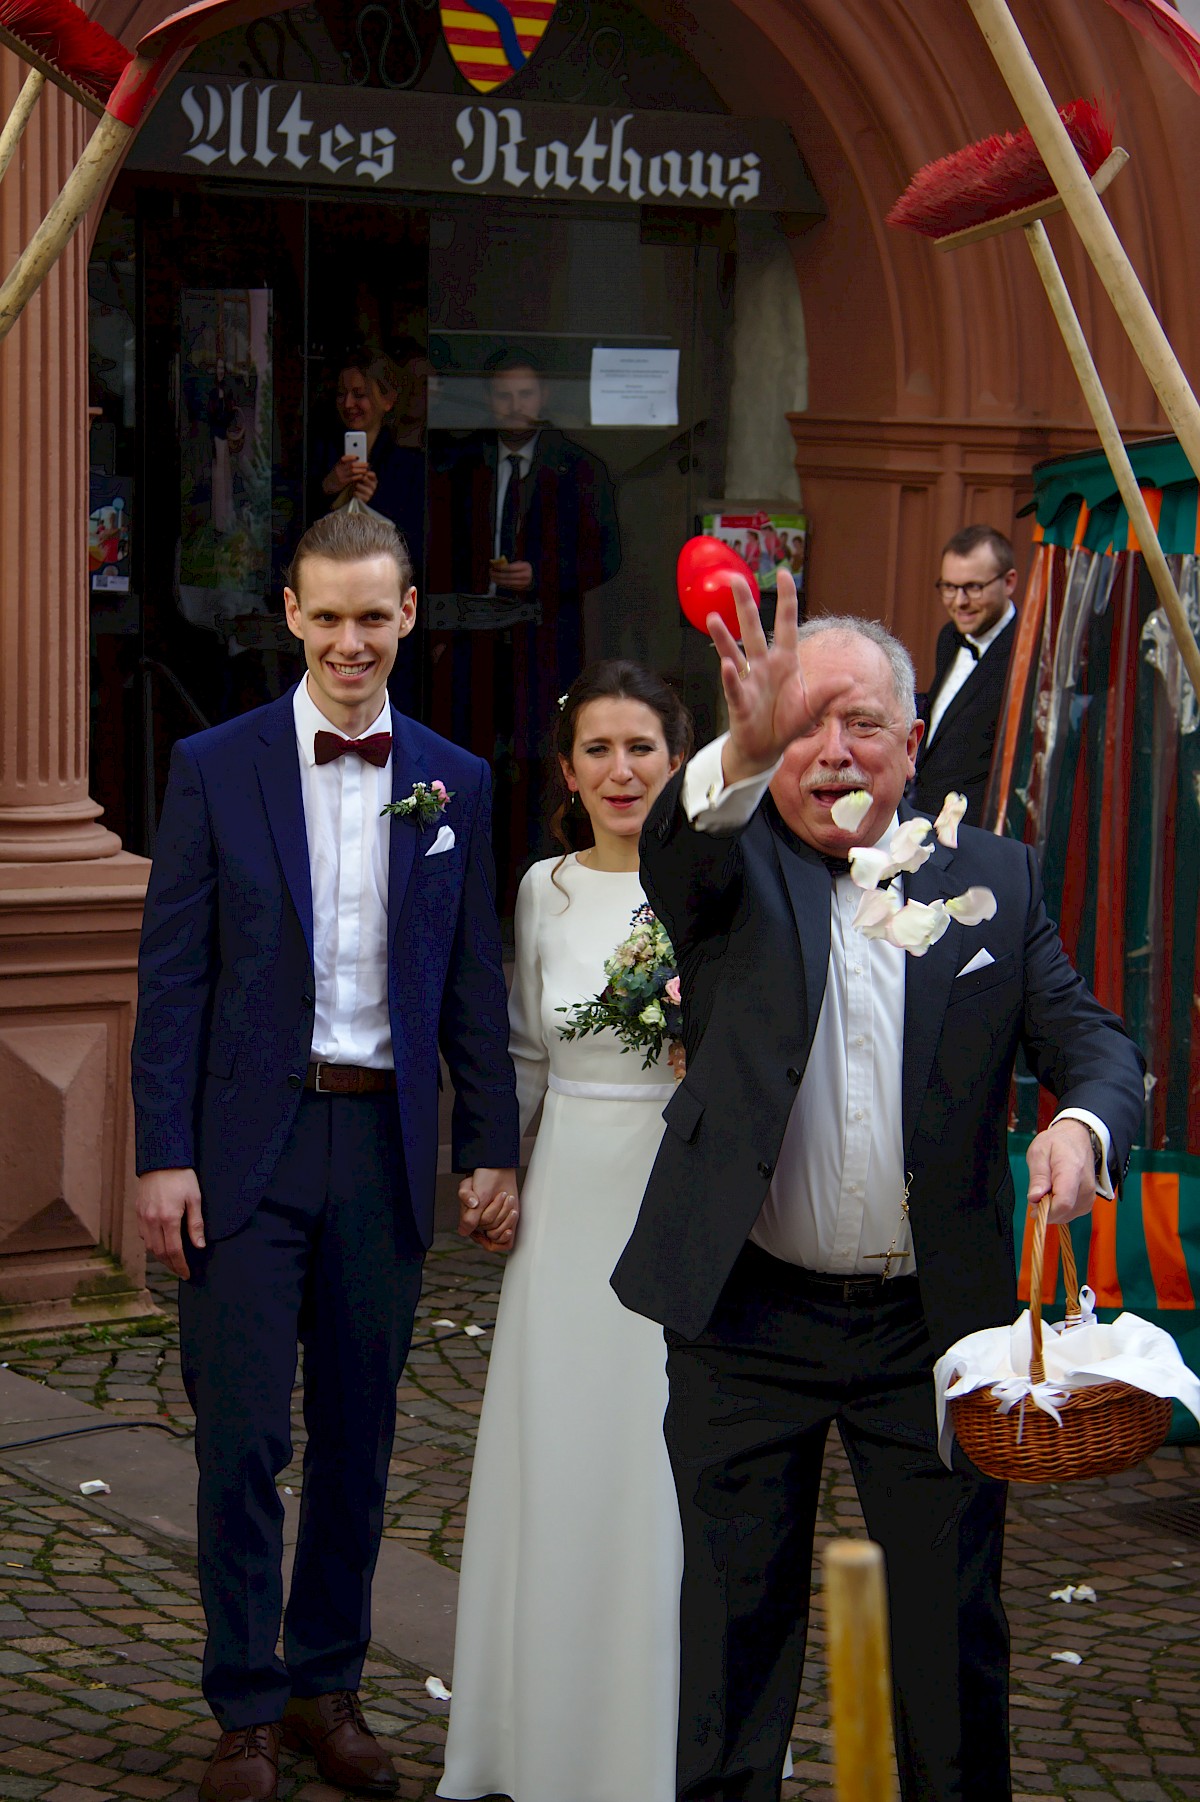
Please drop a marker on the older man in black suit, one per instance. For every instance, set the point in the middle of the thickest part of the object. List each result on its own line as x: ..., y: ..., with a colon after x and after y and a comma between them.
x: 832, y: 1205
x: 977, y: 582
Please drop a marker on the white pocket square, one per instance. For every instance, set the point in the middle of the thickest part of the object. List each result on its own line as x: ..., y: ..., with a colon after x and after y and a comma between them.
x: 980, y: 961
x: 443, y: 842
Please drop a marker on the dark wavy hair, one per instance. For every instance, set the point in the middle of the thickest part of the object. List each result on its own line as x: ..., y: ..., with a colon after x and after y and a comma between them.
x: 612, y: 679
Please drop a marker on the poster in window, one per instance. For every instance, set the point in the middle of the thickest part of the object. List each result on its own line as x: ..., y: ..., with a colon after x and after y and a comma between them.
x: 767, y: 539
x: 225, y: 430
x: 109, y: 516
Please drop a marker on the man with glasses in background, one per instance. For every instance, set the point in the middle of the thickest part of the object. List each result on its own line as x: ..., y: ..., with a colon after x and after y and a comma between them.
x: 976, y: 585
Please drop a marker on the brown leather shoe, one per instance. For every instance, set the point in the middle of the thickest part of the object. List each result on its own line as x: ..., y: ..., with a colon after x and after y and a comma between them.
x: 332, y: 1728
x: 244, y: 1767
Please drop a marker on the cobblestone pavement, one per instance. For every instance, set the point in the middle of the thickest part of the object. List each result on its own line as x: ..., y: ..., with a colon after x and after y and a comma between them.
x: 100, y: 1631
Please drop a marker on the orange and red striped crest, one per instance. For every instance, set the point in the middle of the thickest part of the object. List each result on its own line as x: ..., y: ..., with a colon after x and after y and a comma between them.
x: 491, y: 39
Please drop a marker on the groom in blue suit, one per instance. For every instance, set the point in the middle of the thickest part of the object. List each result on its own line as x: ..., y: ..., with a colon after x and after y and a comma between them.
x: 303, y: 960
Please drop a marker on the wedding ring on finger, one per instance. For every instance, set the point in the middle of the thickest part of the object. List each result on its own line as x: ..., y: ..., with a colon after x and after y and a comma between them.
x: 743, y: 672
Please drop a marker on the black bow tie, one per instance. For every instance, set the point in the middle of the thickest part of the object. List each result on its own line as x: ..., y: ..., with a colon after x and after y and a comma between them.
x: 964, y: 644
x: 376, y: 748
x: 837, y: 866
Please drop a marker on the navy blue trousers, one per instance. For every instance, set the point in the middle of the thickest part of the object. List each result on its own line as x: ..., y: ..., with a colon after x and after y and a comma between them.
x: 330, y: 1259
x: 751, y: 1403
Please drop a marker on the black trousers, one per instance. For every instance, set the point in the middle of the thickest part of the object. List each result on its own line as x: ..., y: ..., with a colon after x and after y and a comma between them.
x: 751, y: 1402
x: 330, y: 1259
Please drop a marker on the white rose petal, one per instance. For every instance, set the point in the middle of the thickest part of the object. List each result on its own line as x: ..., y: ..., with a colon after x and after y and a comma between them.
x: 849, y: 811
x: 1084, y: 1592
x: 876, y: 910
x: 916, y: 927
x: 1066, y: 1594
x: 1067, y: 1657
x: 973, y: 907
x: 869, y: 866
x: 947, y: 823
x: 907, y: 849
x: 474, y: 1332
x: 437, y: 1689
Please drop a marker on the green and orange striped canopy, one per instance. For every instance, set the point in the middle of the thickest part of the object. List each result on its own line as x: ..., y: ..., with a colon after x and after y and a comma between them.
x: 490, y: 40
x: 1076, y: 500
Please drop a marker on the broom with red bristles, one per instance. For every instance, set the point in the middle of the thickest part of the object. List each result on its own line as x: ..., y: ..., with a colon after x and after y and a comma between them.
x: 66, y: 47
x: 1000, y: 184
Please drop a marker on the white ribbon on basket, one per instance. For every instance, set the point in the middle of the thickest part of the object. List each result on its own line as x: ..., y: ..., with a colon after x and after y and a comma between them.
x: 1049, y: 1397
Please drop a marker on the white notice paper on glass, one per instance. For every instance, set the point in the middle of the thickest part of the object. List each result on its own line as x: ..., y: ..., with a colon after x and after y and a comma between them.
x: 635, y: 387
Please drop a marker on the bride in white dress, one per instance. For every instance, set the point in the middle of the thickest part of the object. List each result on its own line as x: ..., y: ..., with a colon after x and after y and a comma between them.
x: 566, y: 1664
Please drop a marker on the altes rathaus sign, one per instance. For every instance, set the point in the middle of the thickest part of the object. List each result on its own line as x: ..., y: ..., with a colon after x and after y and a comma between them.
x: 383, y: 140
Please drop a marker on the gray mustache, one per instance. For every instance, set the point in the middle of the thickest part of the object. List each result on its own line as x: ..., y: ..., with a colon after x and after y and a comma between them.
x: 835, y: 778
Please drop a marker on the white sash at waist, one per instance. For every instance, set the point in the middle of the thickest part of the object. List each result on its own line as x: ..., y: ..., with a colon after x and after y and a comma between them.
x: 612, y: 1091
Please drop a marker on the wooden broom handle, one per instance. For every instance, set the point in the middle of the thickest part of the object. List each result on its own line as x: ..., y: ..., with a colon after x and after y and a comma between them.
x: 1066, y: 1251
x: 18, y: 119
x: 1114, y: 448
x: 80, y: 189
x: 1093, y: 224
x: 860, y: 1685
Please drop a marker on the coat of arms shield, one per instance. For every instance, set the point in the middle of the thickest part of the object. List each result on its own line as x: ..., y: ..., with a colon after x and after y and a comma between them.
x: 491, y: 39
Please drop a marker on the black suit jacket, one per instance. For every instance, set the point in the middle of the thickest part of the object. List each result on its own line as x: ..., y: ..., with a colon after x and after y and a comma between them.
x: 749, y: 917
x: 960, y: 756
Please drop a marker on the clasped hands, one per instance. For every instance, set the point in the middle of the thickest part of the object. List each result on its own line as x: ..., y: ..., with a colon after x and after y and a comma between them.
x: 169, y: 1200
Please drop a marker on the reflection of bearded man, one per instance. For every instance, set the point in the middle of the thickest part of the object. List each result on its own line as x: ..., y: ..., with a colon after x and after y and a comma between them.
x: 526, y: 514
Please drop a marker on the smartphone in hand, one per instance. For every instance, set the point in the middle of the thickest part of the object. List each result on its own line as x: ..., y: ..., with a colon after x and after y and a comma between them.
x: 356, y: 446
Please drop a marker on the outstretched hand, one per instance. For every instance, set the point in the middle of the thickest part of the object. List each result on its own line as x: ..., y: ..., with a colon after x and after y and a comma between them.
x: 769, y: 701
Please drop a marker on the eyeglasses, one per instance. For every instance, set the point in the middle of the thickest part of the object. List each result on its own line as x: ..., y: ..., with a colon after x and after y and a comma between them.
x: 972, y: 590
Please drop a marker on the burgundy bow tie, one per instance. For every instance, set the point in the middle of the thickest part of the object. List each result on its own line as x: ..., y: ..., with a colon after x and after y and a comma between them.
x: 376, y: 749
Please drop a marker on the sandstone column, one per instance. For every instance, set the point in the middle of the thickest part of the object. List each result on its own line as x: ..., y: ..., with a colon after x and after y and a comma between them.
x: 70, y: 897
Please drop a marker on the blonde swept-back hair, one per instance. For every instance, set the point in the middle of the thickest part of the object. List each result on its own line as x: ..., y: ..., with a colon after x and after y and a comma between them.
x: 346, y: 537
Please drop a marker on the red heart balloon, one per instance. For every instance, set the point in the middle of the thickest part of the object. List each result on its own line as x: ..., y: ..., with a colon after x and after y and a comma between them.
x: 703, y: 578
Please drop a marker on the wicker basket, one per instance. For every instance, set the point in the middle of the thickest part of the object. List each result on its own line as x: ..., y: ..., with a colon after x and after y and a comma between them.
x: 1105, y: 1426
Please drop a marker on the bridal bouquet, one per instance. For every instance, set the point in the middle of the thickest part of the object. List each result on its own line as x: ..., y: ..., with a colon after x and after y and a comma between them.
x: 640, y: 1000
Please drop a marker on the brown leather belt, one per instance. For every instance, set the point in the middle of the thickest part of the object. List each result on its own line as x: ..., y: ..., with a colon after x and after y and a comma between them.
x: 348, y: 1079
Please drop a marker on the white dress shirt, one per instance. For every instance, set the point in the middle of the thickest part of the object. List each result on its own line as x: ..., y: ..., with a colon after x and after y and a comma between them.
x: 839, y: 1180
x: 964, y: 666
x: 348, y: 864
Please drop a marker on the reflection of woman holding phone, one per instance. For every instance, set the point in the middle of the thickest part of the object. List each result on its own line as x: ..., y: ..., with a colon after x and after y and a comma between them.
x: 372, y: 468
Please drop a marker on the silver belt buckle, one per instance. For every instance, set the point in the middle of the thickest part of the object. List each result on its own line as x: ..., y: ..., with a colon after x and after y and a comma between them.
x: 317, y: 1069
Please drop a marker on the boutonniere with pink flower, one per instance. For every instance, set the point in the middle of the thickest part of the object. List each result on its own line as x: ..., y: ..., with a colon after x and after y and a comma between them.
x: 912, y: 926
x: 424, y: 806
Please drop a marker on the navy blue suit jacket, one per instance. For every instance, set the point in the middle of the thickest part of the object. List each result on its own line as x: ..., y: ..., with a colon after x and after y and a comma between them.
x: 749, y: 917
x: 226, y: 984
